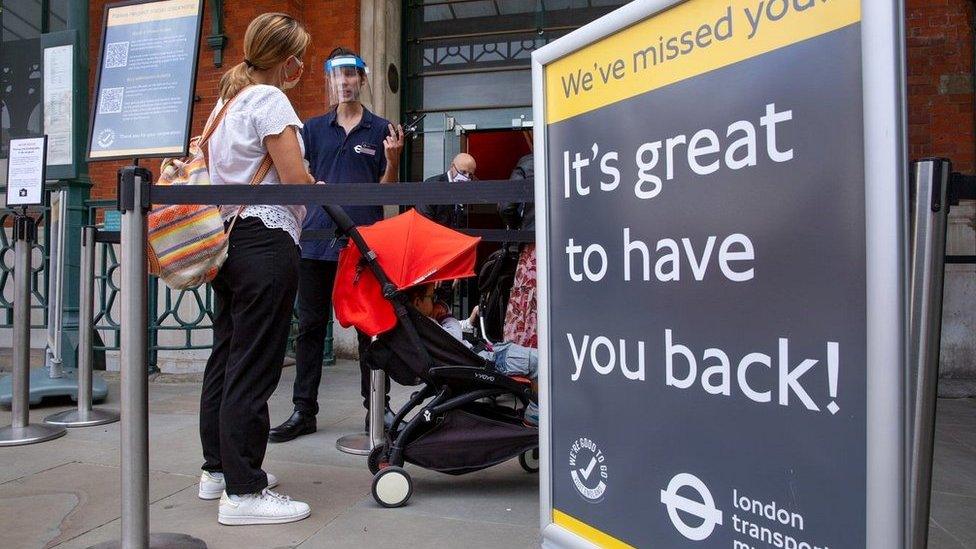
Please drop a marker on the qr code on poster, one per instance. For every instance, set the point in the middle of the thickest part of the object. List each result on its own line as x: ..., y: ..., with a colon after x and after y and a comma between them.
x: 110, y: 101
x: 116, y: 55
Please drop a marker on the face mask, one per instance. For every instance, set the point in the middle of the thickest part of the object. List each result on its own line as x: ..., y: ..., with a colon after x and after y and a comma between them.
x: 461, y: 177
x: 290, y: 83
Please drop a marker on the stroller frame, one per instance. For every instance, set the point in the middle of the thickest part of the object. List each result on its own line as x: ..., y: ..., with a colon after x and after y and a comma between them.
x: 455, y: 384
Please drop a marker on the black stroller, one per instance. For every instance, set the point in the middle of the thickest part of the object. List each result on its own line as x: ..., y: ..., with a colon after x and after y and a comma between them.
x: 453, y: 423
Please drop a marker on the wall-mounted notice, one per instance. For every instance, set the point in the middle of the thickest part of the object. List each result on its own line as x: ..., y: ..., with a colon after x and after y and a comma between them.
x: 708, y: 244
x: 58, y: 103
x: 146, y: 76
x: 26, y: 171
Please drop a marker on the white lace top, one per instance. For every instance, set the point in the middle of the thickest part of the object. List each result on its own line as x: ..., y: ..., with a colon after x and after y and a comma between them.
x: 236, y: 150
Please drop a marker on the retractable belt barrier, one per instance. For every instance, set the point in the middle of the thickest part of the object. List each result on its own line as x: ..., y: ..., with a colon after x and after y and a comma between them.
x: 137, y: 194
x: 365, y: 194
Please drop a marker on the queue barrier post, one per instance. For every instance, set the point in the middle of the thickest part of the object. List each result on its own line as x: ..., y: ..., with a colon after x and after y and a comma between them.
x: 21, y: 431
x: 134, y: 185
x: 85, y: 415
x: 930, y: 182
x: 361, y: 444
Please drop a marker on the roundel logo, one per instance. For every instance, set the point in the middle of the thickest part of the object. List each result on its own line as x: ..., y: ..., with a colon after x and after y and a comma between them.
x: 698, y: 507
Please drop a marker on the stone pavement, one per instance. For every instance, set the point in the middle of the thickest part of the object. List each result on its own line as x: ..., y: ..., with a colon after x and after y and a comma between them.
x: 64, y: 493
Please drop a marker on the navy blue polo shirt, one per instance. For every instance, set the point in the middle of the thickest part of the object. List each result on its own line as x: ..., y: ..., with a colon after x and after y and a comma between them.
x: 338, y: 159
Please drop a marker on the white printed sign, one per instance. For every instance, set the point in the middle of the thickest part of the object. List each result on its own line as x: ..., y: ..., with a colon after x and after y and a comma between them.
x: 25, y: 171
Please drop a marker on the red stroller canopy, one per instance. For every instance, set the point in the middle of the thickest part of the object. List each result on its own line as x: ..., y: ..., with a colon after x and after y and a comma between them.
x: 412, y: 250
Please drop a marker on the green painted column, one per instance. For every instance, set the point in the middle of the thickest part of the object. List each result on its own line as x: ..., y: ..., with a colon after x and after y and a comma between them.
x: 79, y: 188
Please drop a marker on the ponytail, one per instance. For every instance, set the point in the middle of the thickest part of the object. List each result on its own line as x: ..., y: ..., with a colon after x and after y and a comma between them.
x: 235, y: 80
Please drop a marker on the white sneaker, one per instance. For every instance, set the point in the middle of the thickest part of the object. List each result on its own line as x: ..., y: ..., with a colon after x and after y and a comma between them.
x: 265, y: 508
x: 212, y: 484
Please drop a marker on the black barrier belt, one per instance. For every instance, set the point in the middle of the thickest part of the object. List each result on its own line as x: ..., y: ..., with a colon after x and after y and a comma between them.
x: 363, y: 194
x: 108, y: 237
x: 488, y: 235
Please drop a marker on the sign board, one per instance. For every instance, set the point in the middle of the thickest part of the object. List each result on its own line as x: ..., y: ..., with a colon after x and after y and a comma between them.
x: 61, y: 120
x: 720, y: 212
x: 112, y: 221
x: 25, y: 171
x: 146, y: 79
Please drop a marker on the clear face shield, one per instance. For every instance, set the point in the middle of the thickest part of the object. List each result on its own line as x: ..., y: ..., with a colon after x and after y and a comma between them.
x: 347, y: 81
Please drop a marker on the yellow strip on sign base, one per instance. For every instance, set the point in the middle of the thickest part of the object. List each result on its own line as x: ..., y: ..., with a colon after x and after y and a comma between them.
x: 587, y: 532
x: 686, y: 40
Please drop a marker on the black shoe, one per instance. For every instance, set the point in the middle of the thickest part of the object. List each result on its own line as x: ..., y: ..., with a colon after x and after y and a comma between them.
x: 297, y: 425
x: 388, y: 417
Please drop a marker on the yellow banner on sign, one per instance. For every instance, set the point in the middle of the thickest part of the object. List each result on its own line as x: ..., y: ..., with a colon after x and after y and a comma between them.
x: 689, y: 39
x: 155, y: 11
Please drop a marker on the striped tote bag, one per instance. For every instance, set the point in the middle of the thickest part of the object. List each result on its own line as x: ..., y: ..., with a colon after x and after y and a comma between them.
x: 187, y: 244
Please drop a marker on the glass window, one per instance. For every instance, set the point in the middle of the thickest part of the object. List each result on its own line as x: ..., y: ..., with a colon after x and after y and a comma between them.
x: 477, y: 90
x: 20, y: 71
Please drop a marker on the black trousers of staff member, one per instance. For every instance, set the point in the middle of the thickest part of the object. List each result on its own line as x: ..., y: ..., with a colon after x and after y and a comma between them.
x: 314, y: 305
x: 254, y: 295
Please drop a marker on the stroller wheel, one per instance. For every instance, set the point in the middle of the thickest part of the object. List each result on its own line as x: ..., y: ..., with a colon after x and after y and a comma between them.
x: 529, y: 460
x: 392, y: 487
x: 377, y: 459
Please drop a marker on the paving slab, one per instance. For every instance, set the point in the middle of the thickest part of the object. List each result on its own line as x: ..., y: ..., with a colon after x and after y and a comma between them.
x: 64, y: 502
x: 954, y: 469
x: 939, y: 538
x: 388, y: 528
x: 956, y: 514
x: 503, y: 494
x: 330, y: 491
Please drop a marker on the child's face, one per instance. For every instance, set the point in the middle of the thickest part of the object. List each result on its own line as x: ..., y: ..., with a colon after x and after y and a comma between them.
x: 425, y: 303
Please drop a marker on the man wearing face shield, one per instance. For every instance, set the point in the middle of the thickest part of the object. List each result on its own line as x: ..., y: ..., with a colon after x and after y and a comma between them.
x: 346, y: 145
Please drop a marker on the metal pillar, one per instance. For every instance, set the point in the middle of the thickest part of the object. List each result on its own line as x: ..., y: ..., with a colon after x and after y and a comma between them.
x: 360, y: 444
x: 133, y: 183
x: 930, y: 183
x: 85, y: 415
x: 21, y: 431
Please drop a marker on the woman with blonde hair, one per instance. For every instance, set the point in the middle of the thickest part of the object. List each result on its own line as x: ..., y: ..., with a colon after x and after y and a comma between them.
x: 255, y: 288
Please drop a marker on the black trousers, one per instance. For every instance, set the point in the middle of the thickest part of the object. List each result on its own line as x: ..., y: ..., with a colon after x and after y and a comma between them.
x: 254, y: 296
x: 316, y: 280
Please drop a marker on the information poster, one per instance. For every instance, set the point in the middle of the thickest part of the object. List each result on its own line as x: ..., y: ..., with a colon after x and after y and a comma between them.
x: 146, y: 77
x: 25, y: 171
x: 58, y: 103
x: 706, y: 279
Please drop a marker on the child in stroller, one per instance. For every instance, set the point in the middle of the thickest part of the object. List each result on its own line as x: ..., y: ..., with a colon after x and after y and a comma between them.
x: 508, y: 358
x: 451, y: 424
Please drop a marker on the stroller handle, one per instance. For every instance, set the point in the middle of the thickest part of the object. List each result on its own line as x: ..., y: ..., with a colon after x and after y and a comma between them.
x: 348, y: 228
x: 341, y: 218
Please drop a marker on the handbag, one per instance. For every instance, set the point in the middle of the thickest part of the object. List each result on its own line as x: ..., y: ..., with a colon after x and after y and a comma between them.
x: 187, y: 244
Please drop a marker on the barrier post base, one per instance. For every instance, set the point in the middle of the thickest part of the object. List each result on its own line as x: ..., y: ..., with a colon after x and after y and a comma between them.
x: 29, y: 434
x: 163, y: 540
x: 43, y: 386
x: 82, y: 418
x: 359, y: 444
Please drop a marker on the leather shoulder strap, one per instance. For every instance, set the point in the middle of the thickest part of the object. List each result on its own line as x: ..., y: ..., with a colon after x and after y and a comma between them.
x: 215, y: 121
x: 263, y: 169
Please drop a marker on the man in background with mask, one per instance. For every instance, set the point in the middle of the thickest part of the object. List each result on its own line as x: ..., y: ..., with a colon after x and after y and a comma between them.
x: 347, y: 145
x: 462, y: 168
